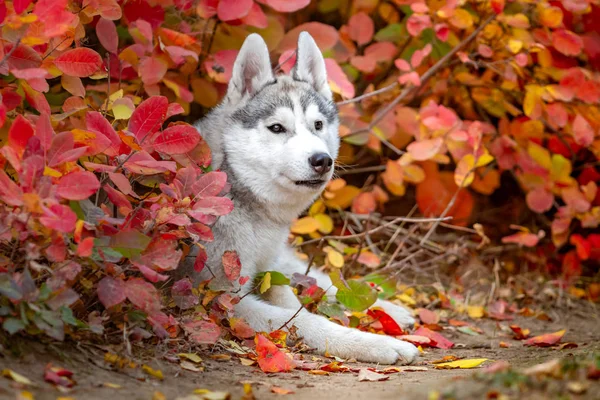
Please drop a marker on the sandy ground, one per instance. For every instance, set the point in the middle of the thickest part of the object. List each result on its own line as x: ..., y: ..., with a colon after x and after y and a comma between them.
x: 91, y: 373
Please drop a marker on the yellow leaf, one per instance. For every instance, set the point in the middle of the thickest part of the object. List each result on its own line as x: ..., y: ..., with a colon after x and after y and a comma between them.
x: 515, y: 45
x: 112, y: 385
x: 464, y: 173
x: 325, y: 223
x: 461, y: 19
x: 335, y: 259
x: 266, y: 283
x: 191, y: 356
x: 52, y: 172
x: 540, y: 155
x: 532, y: 104
x: 475, y: 311
x: 122, y: 111
x: 463, y: 364
x: 551, y: 17
x: 81, y: 135
x: 153, y: 372
x: 210, y: 395
x: 305, y: 225
x: 560, y: 170
x: 10, y: 374
x: 414, y: 173
x: 25, y: 395
x: 318, y: 207
x: 406, y: 299
x: 158, y: 396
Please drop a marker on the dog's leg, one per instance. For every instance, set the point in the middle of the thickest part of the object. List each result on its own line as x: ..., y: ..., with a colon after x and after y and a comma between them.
x: 288, y: 263
x: 320, y: 333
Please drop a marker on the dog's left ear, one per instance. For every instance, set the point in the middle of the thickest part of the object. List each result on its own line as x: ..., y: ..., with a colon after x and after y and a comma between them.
x: 251, y: 70
x: 310, y: 65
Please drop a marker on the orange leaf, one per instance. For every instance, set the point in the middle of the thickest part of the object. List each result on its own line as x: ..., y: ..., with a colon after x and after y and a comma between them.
x: 270, y: 358
x: 546, y: 340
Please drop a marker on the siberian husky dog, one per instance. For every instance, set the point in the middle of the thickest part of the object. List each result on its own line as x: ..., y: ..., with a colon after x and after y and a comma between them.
x: 276, y: 137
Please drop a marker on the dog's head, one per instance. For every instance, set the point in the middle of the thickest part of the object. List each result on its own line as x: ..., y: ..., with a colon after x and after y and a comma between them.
x: 279, y: 133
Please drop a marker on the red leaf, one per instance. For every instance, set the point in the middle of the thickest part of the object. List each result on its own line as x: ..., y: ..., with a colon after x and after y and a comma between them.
x: 19, y: 133
x: 107, y: 35
x: 440, y: 341
x: 148, y: 117
x: 84, y: 249
x: 523, y: 238
x: 143, y: 295
x: 78, y: 185
x: 390, y: 327
x: 98, y: 123
x: 111, y: 291
x: 231, y: 265
x: 229, y: 10
x: 23, y: 57
x: 141, y: 9
x: 209, y: 184
x: 545, y: 340
x: 202, y: 332
x: 177, y: 139
x: 10, y: 192
x: 270, y: 358
x: 81, y: 62
x: 200, y: 260
x: 567, y: 42
x: 21, y: 5
x: 182, y: 294
x: 202, y: 231
x: 497, y: 6
x: 58, y: 376
x: 59, y: 217
x: 361, y: 28
x: 241, y: 329
x: 338, y: 79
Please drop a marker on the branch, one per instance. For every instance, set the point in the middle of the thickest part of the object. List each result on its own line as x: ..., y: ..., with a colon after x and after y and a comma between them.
x: 424, y: 78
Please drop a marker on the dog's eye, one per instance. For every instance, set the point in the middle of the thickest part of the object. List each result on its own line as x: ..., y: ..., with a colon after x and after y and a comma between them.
x: 276, y: 128
x: 318, y: 125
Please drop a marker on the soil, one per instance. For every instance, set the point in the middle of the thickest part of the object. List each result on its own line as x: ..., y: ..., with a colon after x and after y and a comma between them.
x: 92, y: 373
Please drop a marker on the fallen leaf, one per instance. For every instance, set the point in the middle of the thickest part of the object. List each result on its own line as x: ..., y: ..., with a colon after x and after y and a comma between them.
x: 519, y: 334
x: 551, y: 367
x: 280, y: 390
x: 366, y: 374
x: 10, y: 374
x: 439, y: 341
x: 193, y: 357
x: 475, y: 312
x: 210, y: 395
x: 546, y: 340
x: 58, y: 376
x: 445, y: 359
x: 462, y: 364
x: 190, y: 366
x: 427, y: 316
x: 415, y: 339
x: 270, y: 358
x: 504, y: 345
x: 318, y: 372
x: 153, y: 372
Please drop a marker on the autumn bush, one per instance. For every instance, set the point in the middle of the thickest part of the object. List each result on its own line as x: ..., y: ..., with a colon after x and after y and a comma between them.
x: 479, y: 110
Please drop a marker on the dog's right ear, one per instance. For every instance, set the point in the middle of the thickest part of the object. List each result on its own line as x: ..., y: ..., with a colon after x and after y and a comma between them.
x: 251, y: 70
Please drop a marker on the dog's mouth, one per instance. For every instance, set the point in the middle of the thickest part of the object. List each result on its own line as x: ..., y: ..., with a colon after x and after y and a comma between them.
x: 312, y: 183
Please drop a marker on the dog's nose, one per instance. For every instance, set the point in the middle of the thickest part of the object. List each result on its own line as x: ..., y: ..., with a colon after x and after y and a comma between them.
x: 321, y: 162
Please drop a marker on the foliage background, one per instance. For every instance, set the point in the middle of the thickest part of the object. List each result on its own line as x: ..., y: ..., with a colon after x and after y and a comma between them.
x: 483, y: 111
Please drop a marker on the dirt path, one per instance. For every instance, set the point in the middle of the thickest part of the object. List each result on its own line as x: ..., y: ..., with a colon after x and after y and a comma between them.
x: 94, y: 377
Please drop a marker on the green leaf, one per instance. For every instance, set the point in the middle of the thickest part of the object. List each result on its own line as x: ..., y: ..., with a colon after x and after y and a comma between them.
x: 13, y: 325
x: 9, y: 288
x: 386, y: 283
x: 129, y: 243
x: 391, y: 33
x: 332, y: 310
x: 355, y: 295
x: 277, y: 278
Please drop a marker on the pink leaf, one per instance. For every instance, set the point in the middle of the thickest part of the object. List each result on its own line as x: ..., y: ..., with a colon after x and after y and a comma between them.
x: 230, y: 10
x: 212, y: 206
x: 417, y: 23
x: 361, y: 28
x: 10, y: 192
x: 425, y: 149
x: 582, y: 131
x: 143, y: 295
x: 209, y: 184
x: 44, y: 131
x: 152, y: 70
x: 107, y: 35
x: 567, y: 42
x: 539, y: 200
x: 200, y: 260
x: 202, y: 332
x: 286, y: 6
x: 338, y: 80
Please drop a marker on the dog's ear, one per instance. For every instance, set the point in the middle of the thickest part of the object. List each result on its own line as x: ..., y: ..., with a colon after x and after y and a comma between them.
x: 251, y: 70
x: 310, y: 65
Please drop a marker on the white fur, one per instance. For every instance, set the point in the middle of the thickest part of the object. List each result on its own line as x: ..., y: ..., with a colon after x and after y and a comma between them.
x: 263, y: 167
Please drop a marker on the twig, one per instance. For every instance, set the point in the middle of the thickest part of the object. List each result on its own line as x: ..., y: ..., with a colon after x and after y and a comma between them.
x: 373, y: 168
x: 424, y: 78
x: 278, y: 66
x: 367, y: 95
x: 290, y: 320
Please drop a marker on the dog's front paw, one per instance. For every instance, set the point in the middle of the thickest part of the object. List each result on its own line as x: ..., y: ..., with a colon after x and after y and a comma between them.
x: 401, y: 315
x: 387, y: 350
